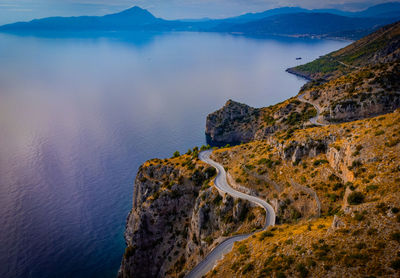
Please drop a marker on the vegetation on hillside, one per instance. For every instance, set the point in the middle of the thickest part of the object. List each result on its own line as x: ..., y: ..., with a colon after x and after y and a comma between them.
x: 361, y: 188
x: 335, y: 188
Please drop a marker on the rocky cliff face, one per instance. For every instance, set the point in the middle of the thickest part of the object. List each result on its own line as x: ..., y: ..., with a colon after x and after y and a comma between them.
x: 376, y: 104
x: 177, y: 218
x: 233, y: 123
x: 237, y: 123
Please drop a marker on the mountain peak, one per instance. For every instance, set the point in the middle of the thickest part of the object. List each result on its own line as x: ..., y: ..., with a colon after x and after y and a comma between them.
x: 136, y: 11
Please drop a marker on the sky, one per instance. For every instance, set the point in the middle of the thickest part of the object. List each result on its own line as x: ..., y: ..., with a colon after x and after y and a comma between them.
x: 23, y: 10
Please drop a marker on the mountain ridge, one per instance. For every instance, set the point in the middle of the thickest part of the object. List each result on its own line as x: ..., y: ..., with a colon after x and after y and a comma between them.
x: 286, y: 21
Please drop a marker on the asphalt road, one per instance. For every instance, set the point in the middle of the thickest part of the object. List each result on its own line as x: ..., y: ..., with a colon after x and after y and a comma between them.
x: 313, y: 120
x: 225, y: 247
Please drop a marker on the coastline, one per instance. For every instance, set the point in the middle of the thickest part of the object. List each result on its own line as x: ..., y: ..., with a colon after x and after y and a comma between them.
x: 299, y: 74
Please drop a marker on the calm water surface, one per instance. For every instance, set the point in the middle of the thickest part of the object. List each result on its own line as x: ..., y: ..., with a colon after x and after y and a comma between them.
x: 78, y: 115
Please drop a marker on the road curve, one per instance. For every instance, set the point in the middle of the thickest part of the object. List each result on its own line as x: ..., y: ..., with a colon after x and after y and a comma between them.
x: 347, y: 65
x: 226, y: 246
x: 313, y: 120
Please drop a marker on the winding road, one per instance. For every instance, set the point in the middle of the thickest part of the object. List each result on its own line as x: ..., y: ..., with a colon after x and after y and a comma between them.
x: 313, y: 120
x: 224, y: 247
x: 349, y: 66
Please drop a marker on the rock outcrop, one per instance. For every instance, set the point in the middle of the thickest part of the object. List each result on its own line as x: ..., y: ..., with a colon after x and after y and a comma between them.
x: 239, y: 123
x: 369, y: 106
x: 233, y: 123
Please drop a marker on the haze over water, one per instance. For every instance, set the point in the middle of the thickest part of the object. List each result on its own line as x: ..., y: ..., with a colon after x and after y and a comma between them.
x: 79, y: 114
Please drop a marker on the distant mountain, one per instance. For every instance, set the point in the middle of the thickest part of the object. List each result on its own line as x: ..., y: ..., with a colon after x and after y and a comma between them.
x: 256, y: 16
x: 133, y: 18
x: 382, y: 10
x: 287, y: 21
x: 309, y: 24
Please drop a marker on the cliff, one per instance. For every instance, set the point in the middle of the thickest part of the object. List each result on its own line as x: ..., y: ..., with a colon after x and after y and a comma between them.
x: 237, y: 123
x: 177, y: 218
x: 233, y: 123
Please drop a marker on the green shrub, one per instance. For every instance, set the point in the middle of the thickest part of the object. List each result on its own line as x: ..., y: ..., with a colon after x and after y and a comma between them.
x: 269, y: 120
x: 209, y: 240
x: 395, y: 236
x: 156, y: 195
x: 265, y: 234
x: 242, y: 249
x: 355, y: 164
x: 337, y: 186
x: 320, y: 162
x: 355, y: 198
x: 361, y: 245
x: 289, y: 241
x: 395, y: 264
x: 249, y: 166
x: 247, y: 268
x: 371, y: 187
x: 204, y: 147
x: 333, y: 177
x: 217, y: 200
x: 176, y: 154
x: 294, y: 214
x: 301, y: 268
x: 379, y: 132
x: 210, y: 172
x: 280, y: 275
x: 358, y: 216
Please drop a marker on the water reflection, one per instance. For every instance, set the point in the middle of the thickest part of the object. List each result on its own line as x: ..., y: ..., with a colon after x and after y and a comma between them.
x: 79, y: 114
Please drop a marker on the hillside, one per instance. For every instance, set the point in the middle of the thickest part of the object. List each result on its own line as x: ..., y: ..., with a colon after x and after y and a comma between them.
x: 334, y: 187
x: 178, y: 217
x: 380, y: 46
x: 358, y: 81
x: 353, y: 169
